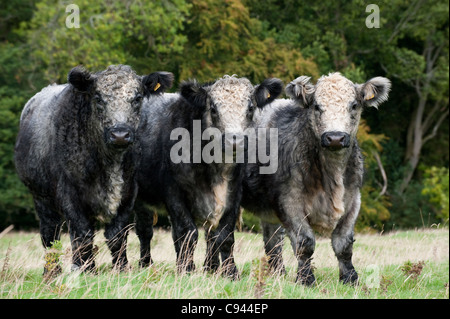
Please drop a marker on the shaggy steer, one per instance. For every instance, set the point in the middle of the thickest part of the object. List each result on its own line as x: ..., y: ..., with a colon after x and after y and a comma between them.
x: 193, y: 188
x: 320, y: 169
x: 74, y: 153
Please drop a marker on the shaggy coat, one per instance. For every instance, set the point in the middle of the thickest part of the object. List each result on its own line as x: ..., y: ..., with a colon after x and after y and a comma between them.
x: 195, y: 192
x: 320, y: 170
x: 75, y: 152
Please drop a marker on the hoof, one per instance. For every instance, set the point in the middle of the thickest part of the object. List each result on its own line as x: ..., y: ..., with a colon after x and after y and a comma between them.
x: 84, y: 268
x: 231, y: 272
x: 145, y: 263
x: 306, y: 277
x: 349, y: 278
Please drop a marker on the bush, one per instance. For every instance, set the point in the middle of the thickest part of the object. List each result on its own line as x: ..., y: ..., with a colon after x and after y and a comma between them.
x: 436, y: 188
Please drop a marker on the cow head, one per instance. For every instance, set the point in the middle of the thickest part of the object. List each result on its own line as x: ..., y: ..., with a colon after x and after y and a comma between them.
x: 114, y: 98
x: 336, y: 104
x: 229, y: 103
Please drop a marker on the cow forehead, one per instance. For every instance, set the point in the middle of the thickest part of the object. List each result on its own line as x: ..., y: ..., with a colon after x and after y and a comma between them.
x: 121, y: 84
x: 334, y: 90
x: 231, y: 92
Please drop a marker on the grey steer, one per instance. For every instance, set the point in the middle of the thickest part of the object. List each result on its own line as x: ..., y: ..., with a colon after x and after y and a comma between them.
x: 320, y: 170
x: 74, y: 151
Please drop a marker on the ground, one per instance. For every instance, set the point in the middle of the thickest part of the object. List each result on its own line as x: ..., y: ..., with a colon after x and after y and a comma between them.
x: 400, y: 264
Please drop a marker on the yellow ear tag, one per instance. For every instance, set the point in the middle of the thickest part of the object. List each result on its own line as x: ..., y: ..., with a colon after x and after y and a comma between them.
x: 373, y: 95
x: 157, y: 86
x: 268, y: 95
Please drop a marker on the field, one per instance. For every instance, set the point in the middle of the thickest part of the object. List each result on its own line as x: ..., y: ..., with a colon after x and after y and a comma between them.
x: 399, y: 265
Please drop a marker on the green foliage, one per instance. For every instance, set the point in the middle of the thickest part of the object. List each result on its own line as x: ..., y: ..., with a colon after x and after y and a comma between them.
x: 251, y: 222
x: 16, y: 206
x: 52, y: 258
x: 224, y: 39
x: 374, y: 206
x: 143, y: 34
x: 436, y: 187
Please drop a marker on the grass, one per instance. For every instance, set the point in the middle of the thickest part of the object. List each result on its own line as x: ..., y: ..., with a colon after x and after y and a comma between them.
x: 404, y: 264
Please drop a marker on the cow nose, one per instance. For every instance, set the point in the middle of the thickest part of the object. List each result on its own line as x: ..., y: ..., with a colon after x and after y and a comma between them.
x: 121, y: 136
x: 234, y: 142
x: 335, y: 140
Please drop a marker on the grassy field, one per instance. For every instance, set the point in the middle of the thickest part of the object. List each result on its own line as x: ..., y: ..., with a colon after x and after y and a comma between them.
x: 404, y: 264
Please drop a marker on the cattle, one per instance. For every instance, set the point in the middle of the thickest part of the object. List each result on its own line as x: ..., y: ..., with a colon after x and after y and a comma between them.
x: 76, y: 151
x: 195, y: 183
x: 320, y: 170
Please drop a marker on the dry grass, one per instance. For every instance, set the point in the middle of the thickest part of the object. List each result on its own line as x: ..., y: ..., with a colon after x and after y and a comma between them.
x: 379, y: 260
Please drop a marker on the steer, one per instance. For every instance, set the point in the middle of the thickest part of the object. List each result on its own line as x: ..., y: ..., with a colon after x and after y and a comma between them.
x: 320, y: 170
x: 192, y: 187
x: 75, y: 153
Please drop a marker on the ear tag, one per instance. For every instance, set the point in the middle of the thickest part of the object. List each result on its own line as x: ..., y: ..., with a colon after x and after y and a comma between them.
x: 157, y: 86
x: 268, y: 95
x: 373, y: 95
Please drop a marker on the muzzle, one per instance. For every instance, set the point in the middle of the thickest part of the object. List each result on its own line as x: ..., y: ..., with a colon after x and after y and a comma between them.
x: 335, y: 141
x: 119, y: 136
x: 235, y: 142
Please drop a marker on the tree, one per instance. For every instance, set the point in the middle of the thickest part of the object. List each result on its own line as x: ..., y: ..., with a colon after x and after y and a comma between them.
x: 225, y: 39
x: 420, y: 59
x: 143, y: 34
x: 15, y: 202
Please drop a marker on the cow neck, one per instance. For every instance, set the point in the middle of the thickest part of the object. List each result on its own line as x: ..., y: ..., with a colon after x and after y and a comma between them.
x: 334, y: 165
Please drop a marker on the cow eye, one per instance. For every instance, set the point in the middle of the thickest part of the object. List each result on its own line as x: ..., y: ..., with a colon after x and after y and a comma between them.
x: 99, y: 102
x: 317, y: 108
x: 354, y: 106
x: 213, y: 110
x: 138, y: 98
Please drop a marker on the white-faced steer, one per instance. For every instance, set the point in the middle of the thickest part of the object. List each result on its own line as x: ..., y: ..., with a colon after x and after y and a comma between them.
x: 320, y: 170
x: 192, y: 186
x: 74, y: 151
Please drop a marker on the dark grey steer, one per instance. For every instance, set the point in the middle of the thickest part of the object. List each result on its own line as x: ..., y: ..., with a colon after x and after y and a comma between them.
x: 320, y: 169
x: 192, y: 188
x: 74, y: 153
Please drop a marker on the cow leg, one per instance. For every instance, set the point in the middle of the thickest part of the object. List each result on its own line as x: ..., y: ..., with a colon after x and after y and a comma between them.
x: 50, y: 224
x: 273, y: 235
x: 185, y: 237
x: 81, y: 228
x: 303, y: 244
x: 81, y: 233
x: 229, y: 268
x: 342, y: 242
x: 184, y: 230
x: 221, y: 241
x: 302, y: 237
x: 116, y: 234
x: 212, y: 260
x: 144, y: 231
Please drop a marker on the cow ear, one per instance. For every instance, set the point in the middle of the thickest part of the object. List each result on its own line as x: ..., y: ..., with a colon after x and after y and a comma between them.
x: 157, y: 82
x: 374, y: 92
x: 301, y: 90
x: 194, y: 93
x: 268, y: 91
x: 81, y: 79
